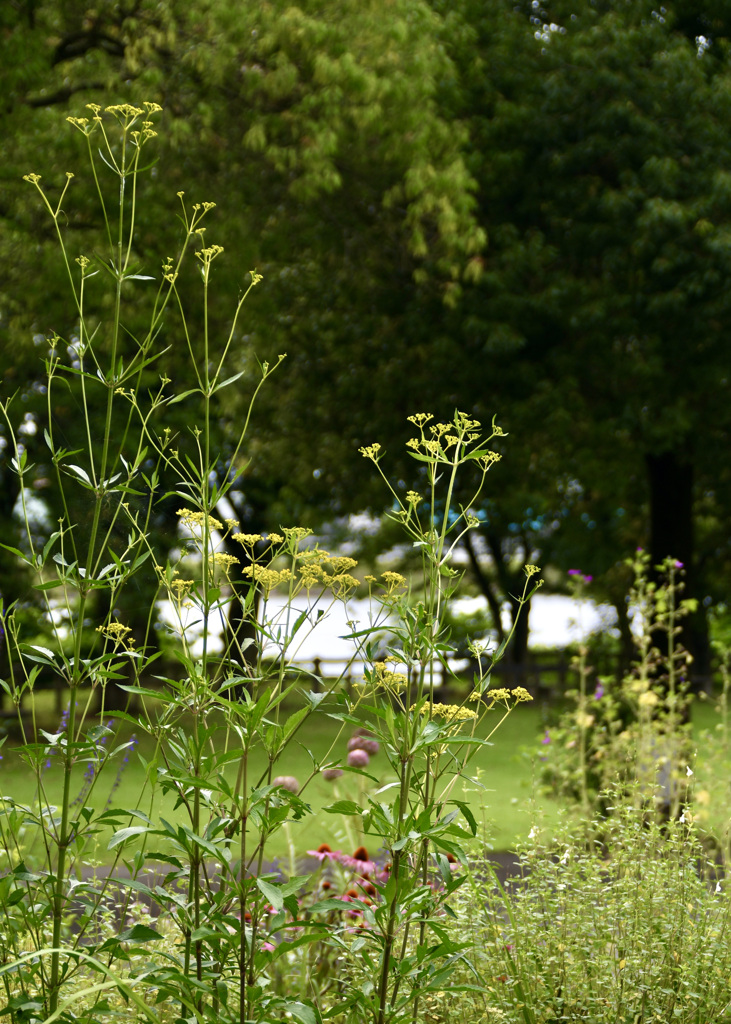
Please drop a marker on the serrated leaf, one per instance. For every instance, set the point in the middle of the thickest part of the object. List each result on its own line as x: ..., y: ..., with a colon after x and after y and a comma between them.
x: 343, y: 807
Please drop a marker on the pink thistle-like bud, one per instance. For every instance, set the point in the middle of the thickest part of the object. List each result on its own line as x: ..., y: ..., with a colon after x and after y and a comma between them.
x: 367, y: 743
x: 358, y: 758
x: 287, y: 782
x: 331, y: 773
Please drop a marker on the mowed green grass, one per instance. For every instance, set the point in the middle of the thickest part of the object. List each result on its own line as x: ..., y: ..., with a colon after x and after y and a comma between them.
x: 501, y: 795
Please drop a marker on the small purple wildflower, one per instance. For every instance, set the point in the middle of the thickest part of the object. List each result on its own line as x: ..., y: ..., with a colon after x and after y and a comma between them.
x: 90, y: 771
x: 358, y: 758
x: 598, y: 692
x: 582, y: 577
x: 62, y: 726
x: 546, y: 739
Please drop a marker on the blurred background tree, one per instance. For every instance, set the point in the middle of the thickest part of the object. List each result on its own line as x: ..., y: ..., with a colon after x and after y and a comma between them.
x: 362, y: 155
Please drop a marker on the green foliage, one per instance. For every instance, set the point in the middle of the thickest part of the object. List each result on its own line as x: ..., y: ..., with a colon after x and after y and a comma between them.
x: 635, y: 731
x: 233, y: 915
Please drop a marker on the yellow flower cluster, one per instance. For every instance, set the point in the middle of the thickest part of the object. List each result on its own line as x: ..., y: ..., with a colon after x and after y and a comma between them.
x: 341, y: 584
x: 385, y: 678
x: 313, y: 571
x: 224, y: 561
x: 452, y: 712
x: 340, y: 563
x: 501, y: 694
x: 265, y: 577
x: 370, y: 451
x: 196, y: 520
x: 488, y: 459
x: 209, y: 252
x: 181, y: 588
x: 247, y: 539
x: 295, y: 534
x: 118, y: 633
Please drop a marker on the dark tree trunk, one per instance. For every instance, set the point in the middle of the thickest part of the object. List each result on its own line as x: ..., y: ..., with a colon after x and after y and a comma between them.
x: 670, y: 477
x: 485, y: 586
x: 507, y: 584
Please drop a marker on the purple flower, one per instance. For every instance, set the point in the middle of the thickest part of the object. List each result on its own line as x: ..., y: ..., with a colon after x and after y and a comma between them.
x: 331, y: 773
x: 546, y: 739
x: 358, y: 758
x: 580, y: 575
x: 677, y: 564
x: 599, y: 692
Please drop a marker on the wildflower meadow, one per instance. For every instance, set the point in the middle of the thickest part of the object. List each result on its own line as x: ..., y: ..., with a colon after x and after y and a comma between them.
x: 186, y: 895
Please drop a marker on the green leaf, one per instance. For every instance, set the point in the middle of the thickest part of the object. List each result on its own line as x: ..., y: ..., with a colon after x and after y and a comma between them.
x: 181, y: 398
x: 271, y: 892
x: 140, y: 933
x: 293, y: 721
x: 229, y: 380
x: 469, y: 816
x: 343, y: 807
x: 127, y: 833
x: 303, y: 1013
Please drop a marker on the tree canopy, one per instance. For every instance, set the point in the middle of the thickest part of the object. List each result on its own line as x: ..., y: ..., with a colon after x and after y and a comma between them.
x: 512, y: 209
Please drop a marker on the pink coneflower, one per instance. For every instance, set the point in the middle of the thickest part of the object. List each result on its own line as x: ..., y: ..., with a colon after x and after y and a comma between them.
x: 358, y: 758
x: 287, y: 782
x: 360, y: 861
x: 331, y: 773
x: 268, y: 947
x: 324, y: 852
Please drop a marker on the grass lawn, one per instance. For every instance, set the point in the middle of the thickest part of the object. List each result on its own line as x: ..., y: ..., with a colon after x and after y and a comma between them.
x: 501, y: 795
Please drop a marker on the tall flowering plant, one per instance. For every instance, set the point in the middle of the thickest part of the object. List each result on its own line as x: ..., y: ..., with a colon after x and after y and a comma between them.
x: 429, y: 743
x: 213, y: 738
